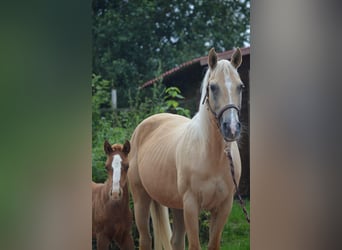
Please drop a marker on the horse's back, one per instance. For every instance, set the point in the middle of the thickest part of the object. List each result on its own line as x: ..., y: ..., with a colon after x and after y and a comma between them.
x: 152, y: 156
x: 97, y: 203
x: 96, y: 187
x: 158, y: 124
x: 155, y: 130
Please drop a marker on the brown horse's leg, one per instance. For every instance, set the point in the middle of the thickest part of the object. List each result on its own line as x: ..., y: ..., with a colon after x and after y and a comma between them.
x: 126, y: 242
x: 102, y: 242
x: 191, y: 211
x: 218, y: 219
x: 178, y: 232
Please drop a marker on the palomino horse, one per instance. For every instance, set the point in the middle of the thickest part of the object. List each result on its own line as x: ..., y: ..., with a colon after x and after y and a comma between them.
x: 180, y: 163
x: 112, y: 217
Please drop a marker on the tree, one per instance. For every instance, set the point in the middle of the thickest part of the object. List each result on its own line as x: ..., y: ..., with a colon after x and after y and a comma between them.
x: 135, y: 40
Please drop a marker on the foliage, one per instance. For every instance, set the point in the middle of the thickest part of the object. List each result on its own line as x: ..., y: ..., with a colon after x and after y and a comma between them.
x: 204, y: 227
x: 172, y: 95
x: 134, y: 39
x: 118, y: 125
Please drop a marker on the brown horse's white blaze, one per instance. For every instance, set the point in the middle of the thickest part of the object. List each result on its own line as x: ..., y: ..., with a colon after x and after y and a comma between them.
x: 115, y: 165
x: 180, y: 163
x: 116, y: 190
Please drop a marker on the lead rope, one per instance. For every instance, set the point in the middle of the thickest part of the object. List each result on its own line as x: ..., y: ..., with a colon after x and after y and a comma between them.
x: 242, y: 204
x: 228, y: 154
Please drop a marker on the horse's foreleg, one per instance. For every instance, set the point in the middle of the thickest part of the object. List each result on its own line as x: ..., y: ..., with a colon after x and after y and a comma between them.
x: 178, y: 231
x: 142, y: 202
x: 218, y: 219
x: 126, y: 242
x: 102, y: 242
x: 191, y: 211
x: 142, y: 219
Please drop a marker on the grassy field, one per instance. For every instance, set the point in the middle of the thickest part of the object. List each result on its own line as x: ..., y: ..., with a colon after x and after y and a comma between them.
x: 236, y: 231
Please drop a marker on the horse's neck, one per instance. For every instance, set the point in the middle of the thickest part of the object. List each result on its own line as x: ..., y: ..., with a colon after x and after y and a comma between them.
x: 125, y: 195
x: 203, y: 133
x: 211, y: 132
x: 104, y: 193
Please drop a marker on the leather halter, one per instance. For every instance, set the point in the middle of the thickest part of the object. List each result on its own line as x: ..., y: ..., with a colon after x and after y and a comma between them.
x: 222, y: 110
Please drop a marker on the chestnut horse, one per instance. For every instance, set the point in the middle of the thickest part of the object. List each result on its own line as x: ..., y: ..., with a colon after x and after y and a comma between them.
x: 180, y: 163
x: 112, y: 217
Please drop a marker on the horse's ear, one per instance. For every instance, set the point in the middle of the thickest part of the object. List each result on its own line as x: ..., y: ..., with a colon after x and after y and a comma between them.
x: 236, y: 58
x: 126, y: 148
x: 212, y: 59
x: 107, y: 148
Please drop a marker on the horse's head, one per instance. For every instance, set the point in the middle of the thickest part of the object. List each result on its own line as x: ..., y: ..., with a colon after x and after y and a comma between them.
x: 117, y: 167
x: 223, y: 93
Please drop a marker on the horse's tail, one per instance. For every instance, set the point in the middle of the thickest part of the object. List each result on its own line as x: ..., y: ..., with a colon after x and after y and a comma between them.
x: 161, y: 226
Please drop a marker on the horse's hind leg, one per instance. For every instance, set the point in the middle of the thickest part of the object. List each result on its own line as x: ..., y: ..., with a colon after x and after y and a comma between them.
x: 102, y: 242
x: 178, y: 231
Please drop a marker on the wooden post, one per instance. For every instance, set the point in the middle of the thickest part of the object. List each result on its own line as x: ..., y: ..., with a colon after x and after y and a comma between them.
x: 114, y: 99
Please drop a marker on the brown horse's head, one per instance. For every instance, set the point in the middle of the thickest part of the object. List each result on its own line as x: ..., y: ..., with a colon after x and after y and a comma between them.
x: 117, y: 167
x: 223, y: 93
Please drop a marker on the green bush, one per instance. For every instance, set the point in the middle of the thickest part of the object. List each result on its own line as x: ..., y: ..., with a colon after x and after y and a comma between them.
x: 118, y: 125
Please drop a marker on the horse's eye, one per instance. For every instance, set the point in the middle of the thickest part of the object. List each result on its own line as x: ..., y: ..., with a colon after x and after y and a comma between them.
x: 125, y: 167
x: 213, y: 87
x: 241, y: 87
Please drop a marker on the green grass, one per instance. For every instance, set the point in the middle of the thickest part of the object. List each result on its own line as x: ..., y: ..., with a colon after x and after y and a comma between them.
x: 236, y: 232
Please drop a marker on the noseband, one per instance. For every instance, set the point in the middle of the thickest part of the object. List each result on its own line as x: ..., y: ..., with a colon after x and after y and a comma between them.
x: 222, y: 110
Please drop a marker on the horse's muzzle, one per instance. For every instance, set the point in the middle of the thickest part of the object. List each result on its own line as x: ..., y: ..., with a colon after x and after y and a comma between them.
x: 231, y: 130
x: 116, y: 195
